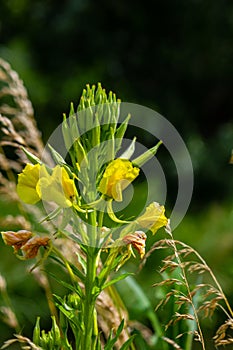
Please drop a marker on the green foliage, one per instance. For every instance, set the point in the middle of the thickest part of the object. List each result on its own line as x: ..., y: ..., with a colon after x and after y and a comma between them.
x: 113, y: 339
x: 50, y: 340
x: 183, y: 69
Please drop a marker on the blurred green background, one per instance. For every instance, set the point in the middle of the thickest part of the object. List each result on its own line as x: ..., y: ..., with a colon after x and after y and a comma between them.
x: 172, y: 56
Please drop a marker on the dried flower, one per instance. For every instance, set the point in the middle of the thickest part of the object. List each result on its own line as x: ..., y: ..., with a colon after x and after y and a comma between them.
x: 16, y: 239
x: 117, y: 176
x: 30, y: 249
x: 20, y: 339
x: 137, y: 240
x: 154, y: 217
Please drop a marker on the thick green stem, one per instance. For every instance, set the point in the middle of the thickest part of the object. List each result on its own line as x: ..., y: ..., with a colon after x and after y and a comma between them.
x: 90, y: 298
x: 90, y: 290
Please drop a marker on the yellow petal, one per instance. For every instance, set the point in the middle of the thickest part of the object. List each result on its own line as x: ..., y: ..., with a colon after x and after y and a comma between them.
x: 58, y: 188
x: 117, y: 176
x: 27, y: 181
x: 154, y: 217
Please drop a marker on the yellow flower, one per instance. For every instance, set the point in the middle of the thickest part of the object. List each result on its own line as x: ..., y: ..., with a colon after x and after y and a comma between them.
x: 58, y: 188
x: 117, y: 176
x: 35, y: 183
x: 27, y: 181
x: 154, y: 217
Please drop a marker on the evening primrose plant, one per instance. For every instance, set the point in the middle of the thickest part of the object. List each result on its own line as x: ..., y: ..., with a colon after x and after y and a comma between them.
x: 74, y: 216
x: 77, y: 194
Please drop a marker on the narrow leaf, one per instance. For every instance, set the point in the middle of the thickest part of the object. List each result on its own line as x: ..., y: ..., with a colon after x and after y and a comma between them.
x: 111, y: 342
x: 56, y: 156
x: 128, y: 343
x: 118, y: 278
x: 33, y: 159
x: 143, y: 158
x: 129, y: 151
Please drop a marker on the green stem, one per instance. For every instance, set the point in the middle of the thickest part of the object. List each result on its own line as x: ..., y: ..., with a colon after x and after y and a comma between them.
x: 156, y: 327
x: 189, y: 342
x: 90, y: 284
x: 90, y: 298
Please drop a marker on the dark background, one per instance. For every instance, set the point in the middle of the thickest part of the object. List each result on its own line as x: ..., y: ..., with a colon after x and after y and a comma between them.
x: 172, y: 56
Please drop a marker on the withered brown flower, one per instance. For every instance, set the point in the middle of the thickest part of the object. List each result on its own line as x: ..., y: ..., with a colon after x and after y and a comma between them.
x: 137, y: 240
x: 16, y: 239
x: 30, y: 249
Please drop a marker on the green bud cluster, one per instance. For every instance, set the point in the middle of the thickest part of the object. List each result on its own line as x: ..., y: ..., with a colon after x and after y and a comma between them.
x: 47, y: 341
x: 92, y: 135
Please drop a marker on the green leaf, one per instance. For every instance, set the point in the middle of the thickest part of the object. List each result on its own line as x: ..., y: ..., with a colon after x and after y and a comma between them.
x: 129, y: 151
x: 119, y: 134
x: 66, y: 133
x: 111, y: 341
x: 52, y: 215
x: 126, y: 345
x: 76, y: 289
x: 109, y: 265
x: 64, y: 308
x: 82, y: 262
x: 137, y: 300
x: 98, y: 344
x: 143, y: 158
x: 33, y: 159
x: 64, y: 328
x: 56, y: 156
x: 118, y: 278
